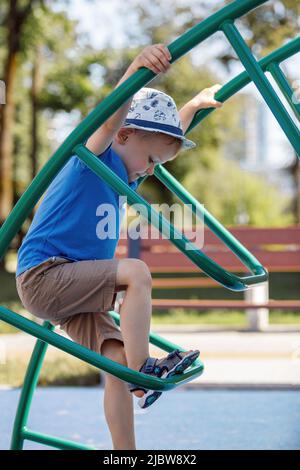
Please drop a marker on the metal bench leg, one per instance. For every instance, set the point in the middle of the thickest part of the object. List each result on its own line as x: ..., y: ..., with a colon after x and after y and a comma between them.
x: 258, y: 318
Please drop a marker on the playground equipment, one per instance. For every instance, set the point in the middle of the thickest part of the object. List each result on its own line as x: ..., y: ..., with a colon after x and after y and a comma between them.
x: 223, y: 20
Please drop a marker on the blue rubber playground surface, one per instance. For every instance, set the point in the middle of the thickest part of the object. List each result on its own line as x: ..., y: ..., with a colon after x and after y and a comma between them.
x: 181, y: 419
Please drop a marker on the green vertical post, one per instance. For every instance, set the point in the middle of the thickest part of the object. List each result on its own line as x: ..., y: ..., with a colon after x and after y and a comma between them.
x: 29, y: 386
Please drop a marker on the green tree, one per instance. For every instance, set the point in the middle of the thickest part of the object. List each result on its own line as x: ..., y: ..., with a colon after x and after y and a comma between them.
x: 31, y: 34
x: 235, y: 197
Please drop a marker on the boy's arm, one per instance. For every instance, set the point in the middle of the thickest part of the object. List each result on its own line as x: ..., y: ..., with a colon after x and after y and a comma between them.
x: 204, y: 99
x: 104, y: 135
x: 155, y: 58
x: 187, y: 113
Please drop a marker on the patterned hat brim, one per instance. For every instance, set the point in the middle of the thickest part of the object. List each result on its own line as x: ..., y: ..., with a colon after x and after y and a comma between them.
x: 186, y: 143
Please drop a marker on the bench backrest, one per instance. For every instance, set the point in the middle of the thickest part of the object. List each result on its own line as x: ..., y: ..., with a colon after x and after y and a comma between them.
x: 278, y: 249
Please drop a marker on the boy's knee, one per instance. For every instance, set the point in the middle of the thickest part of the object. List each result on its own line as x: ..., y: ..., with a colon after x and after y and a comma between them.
x: 134, y: 272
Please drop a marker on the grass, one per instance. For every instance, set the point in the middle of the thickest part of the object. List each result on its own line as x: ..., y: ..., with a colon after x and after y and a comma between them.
x: 179, y: 316
x: 234, y: 318
x: 278, y: 317
x: 62, y: 370
x: 6, y: 329
x: 15, y: 306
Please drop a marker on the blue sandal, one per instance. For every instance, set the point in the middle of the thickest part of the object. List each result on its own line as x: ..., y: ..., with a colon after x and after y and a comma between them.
x: 173, y: 364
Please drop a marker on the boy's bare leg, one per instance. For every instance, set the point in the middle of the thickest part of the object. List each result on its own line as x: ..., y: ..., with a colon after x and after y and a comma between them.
x: 135, y: 311
x: 118, y: 404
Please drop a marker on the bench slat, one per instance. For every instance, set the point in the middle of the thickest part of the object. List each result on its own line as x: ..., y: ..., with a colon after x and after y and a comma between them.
x: 205, y: 304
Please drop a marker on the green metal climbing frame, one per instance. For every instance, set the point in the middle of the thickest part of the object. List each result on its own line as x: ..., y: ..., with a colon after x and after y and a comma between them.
x: 223, y: 20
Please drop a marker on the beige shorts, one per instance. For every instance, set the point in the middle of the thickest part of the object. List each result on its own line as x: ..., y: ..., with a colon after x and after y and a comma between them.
x: 75, y: 295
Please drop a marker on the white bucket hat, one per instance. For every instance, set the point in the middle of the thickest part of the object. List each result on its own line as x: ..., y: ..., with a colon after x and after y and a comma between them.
x: 152, y: 110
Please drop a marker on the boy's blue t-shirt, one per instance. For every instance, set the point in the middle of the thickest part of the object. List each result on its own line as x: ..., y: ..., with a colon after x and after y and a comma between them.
x: 79, y: 216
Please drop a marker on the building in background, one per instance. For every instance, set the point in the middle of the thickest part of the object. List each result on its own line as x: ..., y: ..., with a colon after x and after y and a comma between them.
x: 260, y: 146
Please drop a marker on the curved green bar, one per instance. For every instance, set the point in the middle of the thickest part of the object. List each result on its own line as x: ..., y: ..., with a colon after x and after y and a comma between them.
x: 73, y: 144
x: 91, y: 357
x: 260, y: 273
x: 46, y: 336
x: 212, y: 269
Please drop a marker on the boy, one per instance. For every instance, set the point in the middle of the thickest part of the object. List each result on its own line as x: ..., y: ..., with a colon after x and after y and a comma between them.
x: 66, y: 270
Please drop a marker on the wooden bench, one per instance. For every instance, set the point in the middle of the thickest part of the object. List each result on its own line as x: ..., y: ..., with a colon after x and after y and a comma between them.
x: 278, y: 249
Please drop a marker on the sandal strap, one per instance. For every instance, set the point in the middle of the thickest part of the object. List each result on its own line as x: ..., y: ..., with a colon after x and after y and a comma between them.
x: 170, y: 361
x: 148, y: 366
x: 173, y: 354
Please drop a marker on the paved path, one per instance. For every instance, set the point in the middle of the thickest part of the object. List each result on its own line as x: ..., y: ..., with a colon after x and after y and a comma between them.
x: 231, y: 358
x: 242, y: 359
